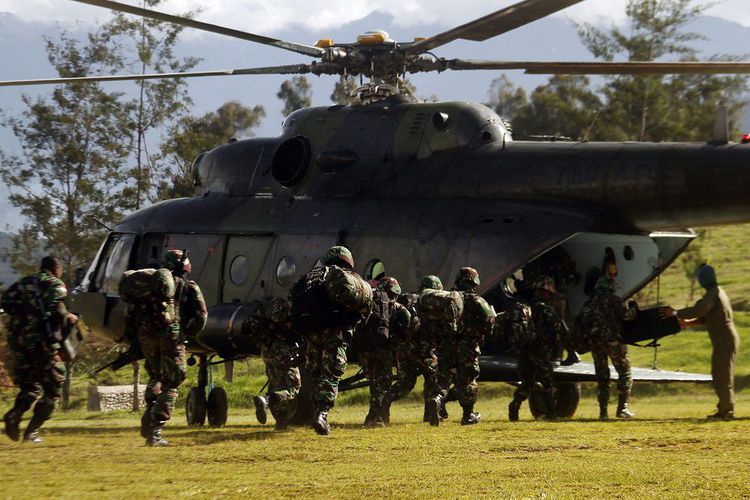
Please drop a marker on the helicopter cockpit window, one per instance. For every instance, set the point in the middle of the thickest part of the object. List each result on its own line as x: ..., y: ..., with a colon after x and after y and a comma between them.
x: 239, y: 270
x: 285, y: 271
x: 374, y: 270
x: 114, y: 262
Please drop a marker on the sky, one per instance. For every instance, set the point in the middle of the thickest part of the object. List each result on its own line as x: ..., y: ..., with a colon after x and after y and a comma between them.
x: 267, y: 17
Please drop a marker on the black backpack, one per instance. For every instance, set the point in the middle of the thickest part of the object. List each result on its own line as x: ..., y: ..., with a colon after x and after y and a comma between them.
x: 312, y: 309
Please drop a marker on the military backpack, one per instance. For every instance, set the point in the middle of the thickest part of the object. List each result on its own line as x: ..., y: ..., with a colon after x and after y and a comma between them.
x: 440, y: 307
x: 477, y: 312
x: 147, y: 286
x: 322, y: 301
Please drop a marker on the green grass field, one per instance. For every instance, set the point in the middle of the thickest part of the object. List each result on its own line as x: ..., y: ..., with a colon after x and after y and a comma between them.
x: 668, y: 451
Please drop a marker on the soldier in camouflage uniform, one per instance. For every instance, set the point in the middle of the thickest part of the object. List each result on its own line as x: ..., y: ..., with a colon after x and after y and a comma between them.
x: 536, y: 359
x: 517, y: 329
x: 414, y: 352
x: 271, y: 326
x: 458, y: 355
x: 37, y: 314
x: 326, y: 352
x: 161, y: 327
x: 376, y: 355
x: 601, y: 319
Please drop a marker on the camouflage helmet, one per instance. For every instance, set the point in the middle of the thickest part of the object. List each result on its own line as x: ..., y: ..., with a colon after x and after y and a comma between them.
x: 431, y: 282
x: 339, y: 255
x: 173, y: 260
x: 467, y: 277
x: 545, y: 283
x: 390, y: 286
x: 605, y: 284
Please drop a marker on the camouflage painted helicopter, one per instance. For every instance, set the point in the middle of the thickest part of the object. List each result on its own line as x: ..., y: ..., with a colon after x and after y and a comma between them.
x: 416, y: 188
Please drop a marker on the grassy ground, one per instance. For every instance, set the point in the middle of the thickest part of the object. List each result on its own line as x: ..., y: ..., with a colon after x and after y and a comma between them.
x: 668, y: 451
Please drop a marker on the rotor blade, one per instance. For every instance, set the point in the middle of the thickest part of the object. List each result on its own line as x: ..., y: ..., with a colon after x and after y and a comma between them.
x: 190, y: 23
x: 271, y: 70
x: 494, y: 24
x: 607, y: 68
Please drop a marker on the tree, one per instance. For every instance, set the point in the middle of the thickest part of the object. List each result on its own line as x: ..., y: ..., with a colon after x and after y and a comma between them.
x: 191, y: 136
x: 344, y: 90
x: 74, y: 146
x: 146, y: 46
x: 564, y: 107
x: 296, y: 94
x: 656, y: 108
x: 506, y: 99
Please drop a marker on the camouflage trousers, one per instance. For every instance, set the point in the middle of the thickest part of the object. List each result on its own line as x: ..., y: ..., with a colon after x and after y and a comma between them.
x: 164, y: 359
x: 535, y: 373
x: 618, y: 353
x: 378, y: 367
x: 284, y: 380
x: 326, y: 360
x: 412, y: 360
x: 39, y: 373
x: 458, y: 363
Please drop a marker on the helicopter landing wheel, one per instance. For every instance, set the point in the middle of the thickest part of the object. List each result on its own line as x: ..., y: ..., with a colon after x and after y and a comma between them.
x: 195, y: 407
x: 217, y: 407
x: 568, y: 396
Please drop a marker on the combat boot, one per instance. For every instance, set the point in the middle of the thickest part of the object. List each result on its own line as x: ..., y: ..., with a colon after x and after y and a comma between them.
x: 426, y: 416
x: 603, y: 398
x: 573, y: 358
x: 470, y: 417
x: 603, y: 413
x: 155, y: 438
x: 261, y: 408
x: 12, y: 421
x: 513, y: 408
x: 31, y: 435
x: 434, y: 413
x: 443, y: 410
x: 320, y: 423
x: 622, y: 408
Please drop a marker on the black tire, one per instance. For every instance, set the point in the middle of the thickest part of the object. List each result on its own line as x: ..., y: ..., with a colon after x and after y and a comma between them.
x: 568, y: 396
x: 217, y: 407
x: 305, y: 405
x: 195, y: 407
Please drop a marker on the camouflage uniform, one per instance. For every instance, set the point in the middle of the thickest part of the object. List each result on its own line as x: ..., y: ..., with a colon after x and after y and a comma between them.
x: 326, y: 349
x: 415, y: 355
x: 376, y: 357
x: 601, y: 319
x: 38, y: 370
x: 270, y: 325
x: 160, y: 325
x: 458, y: 353
x: 535, y: 359
x: 520, y: 333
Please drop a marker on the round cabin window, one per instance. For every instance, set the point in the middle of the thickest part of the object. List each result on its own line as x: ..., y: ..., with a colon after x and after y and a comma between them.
x: 239, y: 270
x: 285, y: 271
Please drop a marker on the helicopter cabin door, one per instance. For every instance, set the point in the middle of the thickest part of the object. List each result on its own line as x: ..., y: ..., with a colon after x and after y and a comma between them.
x: 243, y: 278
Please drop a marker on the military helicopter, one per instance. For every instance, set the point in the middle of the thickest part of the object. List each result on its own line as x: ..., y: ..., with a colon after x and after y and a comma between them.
x: 416, y: 188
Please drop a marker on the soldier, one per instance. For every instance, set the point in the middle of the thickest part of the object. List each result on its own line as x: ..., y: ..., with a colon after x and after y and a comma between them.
x: 326, y: 346
x: 388, y: 318
x: 37, y: 314
x: 161, y: 327
x: 547, y: 329
x: 517, y: 327
x: 601, y: 319
x: 414, y: 351
x: 458, y: 356
x: 271, y: 326
x: 715, y: 310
